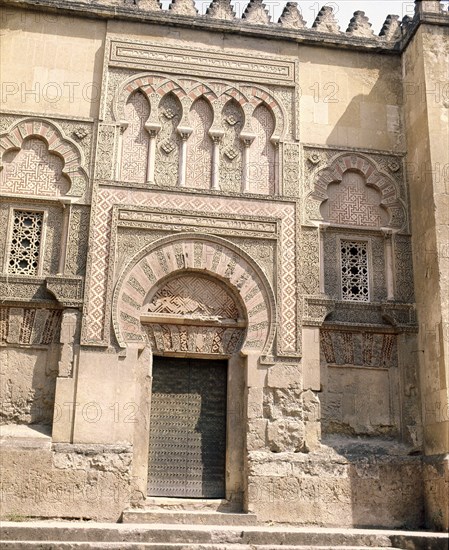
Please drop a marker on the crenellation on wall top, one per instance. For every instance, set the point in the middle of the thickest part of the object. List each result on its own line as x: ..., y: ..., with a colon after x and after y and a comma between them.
x: 255, y: 20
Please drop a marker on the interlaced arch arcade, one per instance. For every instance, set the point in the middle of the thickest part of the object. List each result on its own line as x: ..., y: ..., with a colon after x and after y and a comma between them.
x: 222, y: 264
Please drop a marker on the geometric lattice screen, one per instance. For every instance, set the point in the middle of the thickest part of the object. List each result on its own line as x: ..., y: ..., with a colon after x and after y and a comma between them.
x: 25, y: 242
x: 354, y: 271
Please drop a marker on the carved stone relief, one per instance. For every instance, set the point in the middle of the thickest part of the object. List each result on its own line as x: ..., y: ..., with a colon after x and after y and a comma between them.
x: 29, y: 325
x: 310, y: 261
x: 262, y: 153
x: 196, y: 314
x: 367, y: 349
x: 77, y: 244
x: 231, y: 147
x: 404, y: 286
x: 208, y: 255
x: 135, y: 140
x: 33, y: 171
x: 199, y: 146
x: 167, y: 142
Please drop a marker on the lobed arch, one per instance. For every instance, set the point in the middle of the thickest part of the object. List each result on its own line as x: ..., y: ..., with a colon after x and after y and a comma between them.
x: 154, y: 87
x: 58, y: 144
x: 205, y: 255
x: 373, y: 177
x: 248, y: 96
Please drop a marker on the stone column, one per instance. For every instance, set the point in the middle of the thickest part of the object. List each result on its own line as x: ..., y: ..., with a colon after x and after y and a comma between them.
x: 216, y: 136
x: 247, y: 139
x: 65, y: 394
x: 64, y: 234
x: 118, y: 165
x: 153, y: 130
x: 389, y: 263
x: 184, y: 132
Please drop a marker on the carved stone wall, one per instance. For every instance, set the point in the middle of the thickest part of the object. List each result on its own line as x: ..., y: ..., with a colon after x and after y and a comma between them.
x: 135, y: 139
x: 168, y: 140
x: 262, y: 155
x: 231, y: 150
x: 360, y: 383
x: 194, y: 314
x: 203, y: 255
x: 33, y: 171
x: 199, y: 146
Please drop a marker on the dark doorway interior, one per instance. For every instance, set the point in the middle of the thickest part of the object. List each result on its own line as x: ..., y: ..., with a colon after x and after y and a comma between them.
x: 187, y: 454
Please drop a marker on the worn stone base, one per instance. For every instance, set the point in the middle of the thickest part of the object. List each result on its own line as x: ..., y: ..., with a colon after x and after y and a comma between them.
x: 41, y: 480
x: 345, y: 483
x: 436, y: 491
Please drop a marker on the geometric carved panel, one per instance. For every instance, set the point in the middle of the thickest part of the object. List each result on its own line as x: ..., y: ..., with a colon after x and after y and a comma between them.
x: 33, y: 171
x: 351, y: 202
x: 195, y: 314
x: 135, y: 140
x: 194, y: 295
x: 199, y: 146
x: 262, y: 154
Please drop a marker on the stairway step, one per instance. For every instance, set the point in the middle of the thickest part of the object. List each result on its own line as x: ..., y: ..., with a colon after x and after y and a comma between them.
x: 190, y: 534
x: 56, y: 545
x: 187, y: 517
x: 89, y: 536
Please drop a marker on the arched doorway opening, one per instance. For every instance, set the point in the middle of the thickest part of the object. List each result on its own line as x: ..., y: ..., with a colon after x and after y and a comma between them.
x: 194, y: 324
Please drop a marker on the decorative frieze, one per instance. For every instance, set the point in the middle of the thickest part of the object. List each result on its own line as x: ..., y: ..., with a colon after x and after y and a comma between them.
x: 29, y: 325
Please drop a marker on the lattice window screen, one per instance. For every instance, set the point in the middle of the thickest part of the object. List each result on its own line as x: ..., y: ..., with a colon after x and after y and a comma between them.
x: 354, y: 271
x: 25, y: 242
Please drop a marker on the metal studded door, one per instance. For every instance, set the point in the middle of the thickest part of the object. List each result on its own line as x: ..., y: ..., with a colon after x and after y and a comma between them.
x: 188, y: 428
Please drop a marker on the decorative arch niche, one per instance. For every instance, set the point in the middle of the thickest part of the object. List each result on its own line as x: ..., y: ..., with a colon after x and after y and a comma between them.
x: 220, y: 268
x: 352, y: 202
x: 135, y: 141
x: 199, y: 145
x: 54, y: 163
x: 168, y: 141
x: 262, y: 169
x: 352, y: 190
x: 32, y: 170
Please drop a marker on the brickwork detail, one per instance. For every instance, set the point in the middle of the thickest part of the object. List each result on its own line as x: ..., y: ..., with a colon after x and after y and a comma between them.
x: 96, y: 323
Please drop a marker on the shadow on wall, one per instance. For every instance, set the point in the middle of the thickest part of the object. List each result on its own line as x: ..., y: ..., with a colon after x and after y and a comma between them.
x: 28, y: 381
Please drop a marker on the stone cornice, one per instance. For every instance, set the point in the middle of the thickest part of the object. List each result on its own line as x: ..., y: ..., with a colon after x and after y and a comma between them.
x: 116, y: 10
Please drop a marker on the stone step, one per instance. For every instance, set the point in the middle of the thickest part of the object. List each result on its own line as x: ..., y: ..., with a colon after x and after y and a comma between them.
x: 189, y: 534
x: 187, y: 517
x: 76, y: 535
x: 56, y: 545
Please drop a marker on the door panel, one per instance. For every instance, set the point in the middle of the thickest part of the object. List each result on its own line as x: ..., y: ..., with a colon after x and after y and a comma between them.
x: 188, y: 428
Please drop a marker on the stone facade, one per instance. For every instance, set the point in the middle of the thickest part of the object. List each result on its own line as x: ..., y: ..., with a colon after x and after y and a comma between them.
x: 274, y: 196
